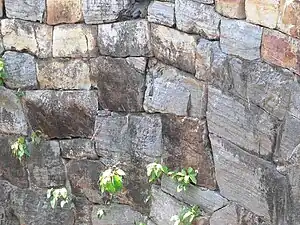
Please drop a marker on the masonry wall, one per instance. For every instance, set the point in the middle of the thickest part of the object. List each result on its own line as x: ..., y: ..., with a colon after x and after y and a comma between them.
x: 201, y: 83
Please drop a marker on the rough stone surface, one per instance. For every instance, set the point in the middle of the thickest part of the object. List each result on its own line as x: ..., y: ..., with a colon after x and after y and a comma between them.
x: 1, y: 8
x: 21, y: 70
x: 25, y: 9
x: 61, y: 114
x: 122, y: 39
x: 12, y: 118
x: 162, y: 13
x: 64, y: 37
x: 63, y: 74
x: 231, y: 8
x: 27, y: 36
x: 194, y: 17
x: 78, y: 149
x: 234, y: 41
x: 128, y: 75
x: 64, y: 11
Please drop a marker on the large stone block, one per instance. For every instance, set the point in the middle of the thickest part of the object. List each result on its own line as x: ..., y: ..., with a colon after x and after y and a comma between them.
x: 63, y: 74
x: 162, y: 13
x: 234, y: 41
x: 76, y: 40
x: 174, y: 47
x: 123, y: 39
x: 21, y: 35
x: 194, y: 17
x: 21, y: 70
x: 25, y: 9
x: 61, y: 114
x: 231, y: 8
x: 78, y: 149
x: 120, y: 82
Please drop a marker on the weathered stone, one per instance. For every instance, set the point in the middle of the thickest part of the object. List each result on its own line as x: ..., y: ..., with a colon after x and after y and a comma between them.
x: 281, y: 50
x: 185, y: 146
x: 21, y: 70
x: 174, y: 47
x: 263, y: 12
x: 231, y: 8
x: 78, y: 149
x: 120, y: 82
x: 1, y: 8
x: 162, y: 13
x: 205, y: 1
x: 207, y: 200
x: 22, y: 35
x: 101, y: 11
x: 64, y: 11
x: 233, y: 40
x: 251, y: 181
x: 25, y: 9
x: 194, y: 17
x: 122, y: 39
x: 12, y: 118
x: 83, y: 211
x: 64, y: 74
x: 170, y: 90
x: 5, y: 189
x: 61, y: 114
x: 289, y: 18
x: 65, y: 36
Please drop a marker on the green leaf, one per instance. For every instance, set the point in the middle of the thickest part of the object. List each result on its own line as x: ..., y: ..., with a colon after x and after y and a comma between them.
x: 62, y: 203
x: 120, y: 172
x: 49, y: 192
x: 186, y: 215
x: 100, y: 213
x: 193, y: 179
x: 53, y: 203
x: 187, y: 179
x: 117, y: 183
x: 190, y: 170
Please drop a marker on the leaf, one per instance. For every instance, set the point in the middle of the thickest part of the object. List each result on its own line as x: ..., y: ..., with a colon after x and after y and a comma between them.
x: 53, y: 203
x: 62, y: 203
x: 186, y: 215
x: 100, y: 213
x: 179, y: 188
x: 117, y: 183
x: 49, y: 192
x: 187, y: 179
x: 190, y: 170
x: 120, y: 172
x: 193, y: 179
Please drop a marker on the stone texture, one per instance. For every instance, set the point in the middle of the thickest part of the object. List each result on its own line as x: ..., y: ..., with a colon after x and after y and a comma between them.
x: 281, y: 50
x: 234, y: 41
x: 12, y: 118
x: 64, y: 37
x: 185, y: 145
x: 123, y: 39
x: 78, y: 149
x: 25, y: 9
x: 162, y: 13
x: 194, y: 17
x: 21, y: 70
x: 27, y: 36
x: 1, y: 8
x: 61, y: 114
x: 120, y: 82
x: 289, y: 19
x: 231, y: 8
x: 264, y: 13
x: 174, y: 47
x: 170, y: 90
x: 64, y: 11
x: 63, y: 74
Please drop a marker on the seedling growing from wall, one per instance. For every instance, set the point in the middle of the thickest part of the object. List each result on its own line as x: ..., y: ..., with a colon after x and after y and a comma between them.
x: 186, y: 216
x: 2, y: 72
x: 58, y: 195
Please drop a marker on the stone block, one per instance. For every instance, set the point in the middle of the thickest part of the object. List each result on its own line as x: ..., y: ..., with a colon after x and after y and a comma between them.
x: 162, y: 13
x: 1, y: 8
x: 194, y: 17
x: 63, y: 74
x: 27, y: 36
x: 61, y: 114
x: 120, y: 82
x: 64, y: 11
x: 78, y: 149
x: 231, y: 8
x: 123, y: 39
x: 174, y: 47
x: 64, y: 37
x: 32, y: 10
x: 234, y: 41
x: 21, y: 70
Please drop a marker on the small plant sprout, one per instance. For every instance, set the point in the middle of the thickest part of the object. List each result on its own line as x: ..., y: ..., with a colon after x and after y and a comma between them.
x: 20, y: 149
x: 184, y: 178
x: 20, y: 93
x: 155, y: 171
x: 59, y: 194
x: 100, y: 213
x: 2, y: 72
x: 111, y: 180
x: 186, y: 216
x: 36, y: 137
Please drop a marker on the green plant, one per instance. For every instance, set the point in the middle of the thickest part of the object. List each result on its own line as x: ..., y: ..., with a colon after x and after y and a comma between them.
x: 111, y: 180
x: 139, y: 223
x: 184, y: 178
x: 36, y: 137
x: 2, y: 72
x: 20, y: 148
x: 20, y: 93
x: 59, y: 194
x: 155, y: 171
x: 186, y: 216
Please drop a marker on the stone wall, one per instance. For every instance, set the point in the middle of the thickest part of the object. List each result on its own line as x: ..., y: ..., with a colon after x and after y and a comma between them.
x: 201, y: 83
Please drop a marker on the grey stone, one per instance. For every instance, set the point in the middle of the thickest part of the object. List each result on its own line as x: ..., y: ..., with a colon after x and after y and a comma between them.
x: 78, y: 149
x: 21, y: 70
x: 123, y: 39
x: 63, y: 74
x: 61, y: 114
x: 12, y: 118
x: 120, y: 82
x: 25, y: 9
x: 234, y: 41
x: 174, y: 47
x: 83, y: 211
x: 6, y: 188
x: 162, y: 13
x: 209, y: 201
x: 194, y: 17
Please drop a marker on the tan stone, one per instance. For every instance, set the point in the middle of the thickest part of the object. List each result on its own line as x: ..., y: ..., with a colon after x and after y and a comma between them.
x: 262, y: 12
x: 64, y: 11
x: 231, y: 8
x: 1, y: 8
x: 289, y: 19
